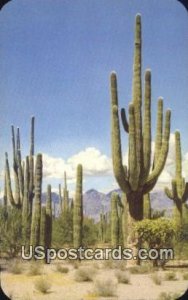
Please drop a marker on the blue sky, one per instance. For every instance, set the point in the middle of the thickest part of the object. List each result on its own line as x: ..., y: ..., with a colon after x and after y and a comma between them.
x: 56, y: 57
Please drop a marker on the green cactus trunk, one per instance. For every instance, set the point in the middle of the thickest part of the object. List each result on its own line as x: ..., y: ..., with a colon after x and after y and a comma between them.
x: 114, y: 220
x: 35, y: 225
x: 138, y: 178
x: 65, y: 194
x: 179, y: 191
x: 124, y: 219
x: 147, y: 206
x: 78, y: 210
x: 43, y: 228
x: 49, y: 217
x: 26, y: 215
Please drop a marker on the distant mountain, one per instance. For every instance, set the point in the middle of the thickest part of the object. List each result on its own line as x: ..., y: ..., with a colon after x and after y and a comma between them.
x: 94, y: 202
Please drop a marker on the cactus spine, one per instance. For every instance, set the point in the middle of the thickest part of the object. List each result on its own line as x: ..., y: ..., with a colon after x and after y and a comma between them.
x: 35, y: 225
x: 137, y: 180
x: 179, y: 191
x: 78, y: 210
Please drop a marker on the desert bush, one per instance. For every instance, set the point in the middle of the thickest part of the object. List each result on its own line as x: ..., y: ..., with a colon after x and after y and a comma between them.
x: 120, y: 265
x: 85, y: 274
x: 185, y: 276
x: 168, y: 296
x: 140, y: 269
x: 108, y: 264
x: 122, y: 276
x: 61, y: 269
x: 16, y: 267
x: 171, y: 276
x: 105, y: 288
x: 35, y: 269
x: 42, y: 284
x: 156, y: 278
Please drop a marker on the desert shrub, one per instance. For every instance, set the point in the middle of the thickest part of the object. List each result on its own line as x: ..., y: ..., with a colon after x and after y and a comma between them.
x: 42, y: 284
x: 108, y: 264
x: 122, y: 277
x: 10, y: 231
x: 157, y: 233
x: 105, y: 288
x: 62, y: 232
x: 171, y: 276
x: 35, y: 269
x: 85, y: 274
x: 61, y: 269
x: 16, y: 267
x: 120, y: 265
x: 90, y: 232
x: 140, y: 269
x: 156, y: 278
x: 185, y: 276
x: 168, y: 296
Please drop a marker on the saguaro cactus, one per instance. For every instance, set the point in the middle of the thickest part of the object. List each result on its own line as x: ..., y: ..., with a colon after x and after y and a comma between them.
x: 65, y: 194
x: 43, y: 227
x: 147, y: 206
x: 26, y: 215
x: 179, y: 191
x: 35, y: 225
x: 48, y: 217
x: 16, y: 199
x: 136, y: 179
x: 114, y: 220
x: 78, y: 210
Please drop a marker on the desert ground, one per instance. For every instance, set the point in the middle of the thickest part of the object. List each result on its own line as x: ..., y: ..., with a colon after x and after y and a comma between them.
x: 94, y: 280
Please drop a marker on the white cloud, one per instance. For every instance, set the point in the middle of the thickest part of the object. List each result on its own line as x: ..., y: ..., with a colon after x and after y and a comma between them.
x: 93, y: 161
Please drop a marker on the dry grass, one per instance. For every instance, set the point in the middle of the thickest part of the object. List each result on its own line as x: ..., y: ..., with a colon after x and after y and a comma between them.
x: 42, y: 284
x: 61, y: 269
x: 35, y: 269
x: 85, y: 274
x: 171, y: 276
x: 105, y: 288
x: 156, y: 278
x: 16, y: 267
x: 122, y: 276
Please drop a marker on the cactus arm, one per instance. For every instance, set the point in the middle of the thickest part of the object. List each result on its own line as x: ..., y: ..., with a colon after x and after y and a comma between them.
x: 13, y: 146
x: 8, y: 181
x: 185, y: 194
x: 32, y: 136
x: 164, y: 151
x: 168, y: 193
x: 133, y: 172
x: 19, y: 165
x: 137, y: 93
x: 116, y: 139
x: 159, y: 131
x: 147, y: 127
x: 124, y: 120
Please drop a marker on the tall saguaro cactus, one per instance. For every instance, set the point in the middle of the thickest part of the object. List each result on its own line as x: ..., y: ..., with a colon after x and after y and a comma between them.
x: 26, y: 215
x: 179, y: 190
x: 138, y: 179
x: 65, y: 194
x: 114, y: 220
x: 78, y: 210
x: 35, y: 225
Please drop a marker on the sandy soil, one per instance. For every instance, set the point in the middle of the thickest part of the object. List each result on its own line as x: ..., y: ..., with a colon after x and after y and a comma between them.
x: 64, y: 287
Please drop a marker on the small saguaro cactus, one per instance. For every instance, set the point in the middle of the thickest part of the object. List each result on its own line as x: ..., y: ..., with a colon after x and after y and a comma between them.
x: 78, y: 210
x: 114, y: 220
x: 137, y: 179
x: 65, y: 194
x: 48, y: 217
x: 179, y: 191
x: 102, y: 226
x: 35, y: 224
